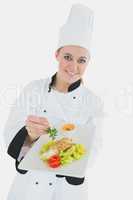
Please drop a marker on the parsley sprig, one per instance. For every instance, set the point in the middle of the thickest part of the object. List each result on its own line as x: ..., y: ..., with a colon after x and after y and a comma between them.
x: 52, y: 132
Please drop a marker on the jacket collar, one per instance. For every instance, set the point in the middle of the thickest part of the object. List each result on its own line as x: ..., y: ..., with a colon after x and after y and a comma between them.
x: 72, y: 87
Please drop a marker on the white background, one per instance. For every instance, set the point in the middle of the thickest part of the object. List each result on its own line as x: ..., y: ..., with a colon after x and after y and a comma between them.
x: 28, y: 39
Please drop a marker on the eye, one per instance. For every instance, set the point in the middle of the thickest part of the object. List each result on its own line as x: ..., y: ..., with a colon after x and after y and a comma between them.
x: 82, y: 61
x: 67, y: 57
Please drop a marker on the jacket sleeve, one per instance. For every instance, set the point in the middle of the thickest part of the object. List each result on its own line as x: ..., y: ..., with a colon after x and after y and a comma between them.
x: 16, y: 144
x: 24, y: 105
x: 14, y: 131
x: 96, y: 119
x: 15, y: 148
x: 18, y: 148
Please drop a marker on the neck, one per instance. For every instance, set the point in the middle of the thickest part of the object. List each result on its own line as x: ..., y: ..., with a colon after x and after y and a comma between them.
x: 61, y: 85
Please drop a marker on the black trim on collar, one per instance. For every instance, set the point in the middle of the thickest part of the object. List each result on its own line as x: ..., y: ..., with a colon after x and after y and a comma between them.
x: 72, y: 87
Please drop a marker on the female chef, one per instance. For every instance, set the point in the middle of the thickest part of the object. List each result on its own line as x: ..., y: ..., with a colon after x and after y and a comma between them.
x: 64, y: 96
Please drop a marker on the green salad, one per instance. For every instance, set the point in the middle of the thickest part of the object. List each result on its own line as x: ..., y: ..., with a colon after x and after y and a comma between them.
x: 66, y: 156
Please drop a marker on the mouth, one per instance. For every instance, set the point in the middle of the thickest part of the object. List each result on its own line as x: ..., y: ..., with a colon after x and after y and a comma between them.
x: 71, y: 73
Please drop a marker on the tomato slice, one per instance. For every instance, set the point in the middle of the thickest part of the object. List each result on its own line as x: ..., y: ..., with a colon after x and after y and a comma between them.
x: 54, y: 158
x: 54, y: 164
x: 54, y: 161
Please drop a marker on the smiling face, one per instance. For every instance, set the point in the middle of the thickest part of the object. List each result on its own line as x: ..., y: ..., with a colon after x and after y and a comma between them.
x: 73, y: 61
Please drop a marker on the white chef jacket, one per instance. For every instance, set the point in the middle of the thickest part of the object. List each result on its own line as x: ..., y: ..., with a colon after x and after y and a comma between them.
x: 80, y: 106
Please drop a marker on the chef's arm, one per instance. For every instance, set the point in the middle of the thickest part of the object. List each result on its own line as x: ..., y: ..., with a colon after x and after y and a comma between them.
x: 19, y: 146
x: 96, y: 146
x: 17, y: 143
x: 16, y: 146
x: 15, y: 133
x: 28, y: 143
x: 96, y: 121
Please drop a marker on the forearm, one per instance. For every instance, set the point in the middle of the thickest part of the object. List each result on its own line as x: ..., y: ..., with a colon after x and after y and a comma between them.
x: 28, y: 143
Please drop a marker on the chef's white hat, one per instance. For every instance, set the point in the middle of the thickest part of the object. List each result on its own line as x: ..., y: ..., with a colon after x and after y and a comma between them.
x: 78, y: 28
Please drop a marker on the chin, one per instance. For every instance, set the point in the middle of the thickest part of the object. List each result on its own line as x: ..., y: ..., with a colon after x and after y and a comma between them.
x: 68, y: 79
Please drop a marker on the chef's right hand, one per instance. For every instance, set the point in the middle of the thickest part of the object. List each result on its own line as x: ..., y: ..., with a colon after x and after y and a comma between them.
x: 36, y: 126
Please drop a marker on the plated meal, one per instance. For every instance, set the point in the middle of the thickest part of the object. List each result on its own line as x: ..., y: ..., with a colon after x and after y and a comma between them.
x: 62, y: 152
x: 57, y: 153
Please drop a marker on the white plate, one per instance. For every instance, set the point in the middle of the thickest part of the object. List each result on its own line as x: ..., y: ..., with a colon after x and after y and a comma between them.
x: 83, y: 135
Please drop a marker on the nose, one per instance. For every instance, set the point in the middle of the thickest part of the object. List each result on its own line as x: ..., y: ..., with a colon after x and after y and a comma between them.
x: 73, y: 66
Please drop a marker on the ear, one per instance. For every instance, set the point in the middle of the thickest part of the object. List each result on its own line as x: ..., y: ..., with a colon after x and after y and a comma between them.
x: 57, y: 55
